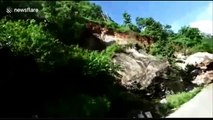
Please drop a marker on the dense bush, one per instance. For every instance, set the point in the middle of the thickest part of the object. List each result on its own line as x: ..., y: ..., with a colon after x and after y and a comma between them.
x: 25, y: 38
x: 206, y: 45
x: 29, y: 38
x: 123, y: 29
x: 41, y: 54
x: 111, y: 24
x: 162, y: 49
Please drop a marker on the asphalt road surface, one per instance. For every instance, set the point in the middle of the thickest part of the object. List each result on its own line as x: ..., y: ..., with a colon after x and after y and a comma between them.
x: 201, y: 106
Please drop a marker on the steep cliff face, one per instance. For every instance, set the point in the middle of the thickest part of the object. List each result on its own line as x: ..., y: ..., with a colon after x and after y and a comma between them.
x: 110, y: 36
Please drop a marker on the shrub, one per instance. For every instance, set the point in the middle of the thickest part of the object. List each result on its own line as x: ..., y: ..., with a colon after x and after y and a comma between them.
x: 205, y: 46
x: 99, y: 62
x: 163, y: 49
x: 123, y: 29
x: 176, y: 100
x: 112, y: 25
x: 27, y: 37
x: 112, y: 49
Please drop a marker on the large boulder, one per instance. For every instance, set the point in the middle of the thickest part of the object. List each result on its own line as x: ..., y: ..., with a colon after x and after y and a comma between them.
x: 204, y: 78
x: 138, y: 69
x: 200, y: 59
x: 200, y: 66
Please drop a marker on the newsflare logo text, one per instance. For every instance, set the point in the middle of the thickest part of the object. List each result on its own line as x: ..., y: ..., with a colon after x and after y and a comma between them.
x: 19, y: 10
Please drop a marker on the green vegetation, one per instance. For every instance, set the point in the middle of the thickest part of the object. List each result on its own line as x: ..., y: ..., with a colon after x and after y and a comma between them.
x: 69, y: 80
x: 206, y: 45
x: 176, y: 100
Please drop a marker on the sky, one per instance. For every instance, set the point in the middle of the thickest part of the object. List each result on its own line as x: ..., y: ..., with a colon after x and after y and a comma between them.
x: 197, y: 14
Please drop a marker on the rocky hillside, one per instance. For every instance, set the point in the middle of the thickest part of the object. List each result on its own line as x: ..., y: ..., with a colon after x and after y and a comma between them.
x: 47, y: 72
x: 110, y: 36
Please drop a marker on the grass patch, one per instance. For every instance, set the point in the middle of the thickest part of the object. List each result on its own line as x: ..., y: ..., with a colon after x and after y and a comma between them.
x: 176, y: 100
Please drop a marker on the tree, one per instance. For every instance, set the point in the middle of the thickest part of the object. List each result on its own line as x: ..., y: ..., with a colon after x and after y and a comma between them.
x: 128, y: 24
x: 134, y: 28
x: 188, y: 37
x: 127, y: 18
x: 139, y: 23
x: 69, y: 18
x: 91, y: 11
x: 193, y: 34
x: 168, y: 30
x: 152, y: 28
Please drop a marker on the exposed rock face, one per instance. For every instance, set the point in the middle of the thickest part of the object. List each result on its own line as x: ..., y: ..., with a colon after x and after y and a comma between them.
x: 109, y: 36
x: 139, y: 69
x: 204, y: 78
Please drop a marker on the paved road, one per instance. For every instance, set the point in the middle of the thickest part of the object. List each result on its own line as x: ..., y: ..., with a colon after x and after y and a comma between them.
x: 201, y: 106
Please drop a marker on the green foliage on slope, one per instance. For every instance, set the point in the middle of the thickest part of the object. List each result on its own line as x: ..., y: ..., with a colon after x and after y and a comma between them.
x: 53, y: 37
x: 28, y: 38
